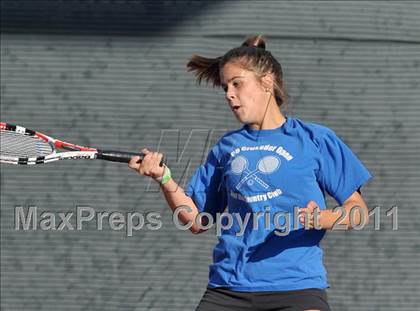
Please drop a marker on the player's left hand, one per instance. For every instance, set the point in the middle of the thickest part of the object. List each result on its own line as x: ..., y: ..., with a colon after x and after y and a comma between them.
x: 310, y: 210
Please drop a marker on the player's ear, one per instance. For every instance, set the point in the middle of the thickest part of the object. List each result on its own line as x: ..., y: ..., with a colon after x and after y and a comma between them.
x: 267, y: 81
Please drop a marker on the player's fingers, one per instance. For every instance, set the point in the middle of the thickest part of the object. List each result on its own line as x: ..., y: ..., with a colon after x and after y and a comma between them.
x: 306, y: 216
x: 148, y: 165
x: 147, y: 160
x: 145, y: 151
x: 159, y: 157
x: 134, y: 163
x: 309, y: 224
x: 302, y: 219
x: 156, y: 158
x: 302, y: 211
x: 156, y: 169
x: 312, y: 205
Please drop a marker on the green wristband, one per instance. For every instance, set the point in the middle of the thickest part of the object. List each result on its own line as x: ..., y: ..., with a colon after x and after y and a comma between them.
x: 166, y: 176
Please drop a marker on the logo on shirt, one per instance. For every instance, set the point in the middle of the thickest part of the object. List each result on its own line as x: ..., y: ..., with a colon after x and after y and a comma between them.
x: 266, y: 165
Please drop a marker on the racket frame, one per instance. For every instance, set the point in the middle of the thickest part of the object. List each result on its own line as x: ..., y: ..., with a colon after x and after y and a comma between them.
x: 72, y: 151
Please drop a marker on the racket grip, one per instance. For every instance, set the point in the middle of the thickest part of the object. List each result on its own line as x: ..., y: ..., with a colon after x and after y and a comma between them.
x: 119, y: 156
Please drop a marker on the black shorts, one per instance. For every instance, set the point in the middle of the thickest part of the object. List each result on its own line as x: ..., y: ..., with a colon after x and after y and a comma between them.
x: 223, y: 299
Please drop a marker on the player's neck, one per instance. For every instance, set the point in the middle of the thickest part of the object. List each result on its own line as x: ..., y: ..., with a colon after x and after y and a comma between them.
x: 272, y: 120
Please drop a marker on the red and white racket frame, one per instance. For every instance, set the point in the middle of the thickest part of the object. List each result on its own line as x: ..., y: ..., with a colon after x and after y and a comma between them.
x: 74, y: 151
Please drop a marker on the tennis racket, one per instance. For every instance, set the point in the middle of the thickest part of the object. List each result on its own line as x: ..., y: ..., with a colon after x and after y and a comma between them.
x: 19, y: 145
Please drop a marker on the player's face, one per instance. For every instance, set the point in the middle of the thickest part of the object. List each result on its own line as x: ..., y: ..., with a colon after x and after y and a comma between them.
x: 244, y: 93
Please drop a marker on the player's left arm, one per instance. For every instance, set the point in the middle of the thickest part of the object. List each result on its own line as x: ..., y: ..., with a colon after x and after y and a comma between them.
x: 352, y: 208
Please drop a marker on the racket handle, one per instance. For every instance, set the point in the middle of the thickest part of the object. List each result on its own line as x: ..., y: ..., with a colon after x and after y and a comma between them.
x: 119, y: 156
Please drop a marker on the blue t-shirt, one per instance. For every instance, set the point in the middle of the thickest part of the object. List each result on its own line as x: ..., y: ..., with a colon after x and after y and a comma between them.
x: 271, y: 172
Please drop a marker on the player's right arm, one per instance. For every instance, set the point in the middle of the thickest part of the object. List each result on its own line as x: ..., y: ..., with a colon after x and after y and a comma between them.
x: 175, y: 196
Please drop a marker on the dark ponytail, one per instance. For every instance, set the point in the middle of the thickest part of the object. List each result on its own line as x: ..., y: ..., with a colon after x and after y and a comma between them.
x: 252, y: 55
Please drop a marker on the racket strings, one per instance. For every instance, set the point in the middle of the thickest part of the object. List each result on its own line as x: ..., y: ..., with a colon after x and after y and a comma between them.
x: 14, y: 144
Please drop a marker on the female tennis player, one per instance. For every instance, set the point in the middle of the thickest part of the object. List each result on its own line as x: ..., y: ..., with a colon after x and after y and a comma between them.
x: 271, y: 176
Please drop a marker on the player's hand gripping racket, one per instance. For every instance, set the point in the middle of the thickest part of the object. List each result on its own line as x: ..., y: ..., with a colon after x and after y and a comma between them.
x: 19, y: 145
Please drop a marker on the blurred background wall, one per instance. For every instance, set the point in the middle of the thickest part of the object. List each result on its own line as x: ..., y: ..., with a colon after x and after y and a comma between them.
x: 112, y: 74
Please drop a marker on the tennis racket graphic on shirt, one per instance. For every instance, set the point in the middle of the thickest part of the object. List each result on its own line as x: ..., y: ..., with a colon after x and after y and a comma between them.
x: 19, y: 145
x: 266, y: 165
